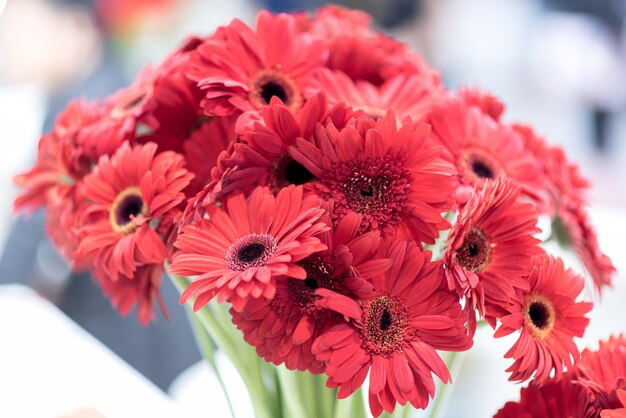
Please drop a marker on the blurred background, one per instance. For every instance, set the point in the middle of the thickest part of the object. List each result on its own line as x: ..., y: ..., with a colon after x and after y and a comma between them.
x: 559, y: 64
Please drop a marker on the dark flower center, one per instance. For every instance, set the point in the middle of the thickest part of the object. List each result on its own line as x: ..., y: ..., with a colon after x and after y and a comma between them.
x: 253, y: 250
x: 377, y: 188
x: 271, y: 89
x: 385, y: 320
x: 540, y: 315
x: 478, y: 166
x: 274, y: 83
x: 288, y: 171
x: 482, y: 170
x: 319, y: 274
x: 475, y: 253
x: 125, y: 208
x: 385, y: 325
x: 311, y: 283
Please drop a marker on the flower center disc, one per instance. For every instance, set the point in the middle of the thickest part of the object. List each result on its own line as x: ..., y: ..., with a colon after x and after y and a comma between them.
x: 319, y: 274
x: 540, y: 315
x: 288, y: 171
x: 125, y: 208
x: 479, y: 166
x: 475, y: 253
x: 273, y: 83
x: 253, y: 250
x: 384, y: 325
x: 377, y: 188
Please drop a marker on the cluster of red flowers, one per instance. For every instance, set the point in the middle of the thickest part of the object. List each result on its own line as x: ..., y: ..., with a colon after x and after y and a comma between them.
x: 317, y: 176
x: 596, y: 387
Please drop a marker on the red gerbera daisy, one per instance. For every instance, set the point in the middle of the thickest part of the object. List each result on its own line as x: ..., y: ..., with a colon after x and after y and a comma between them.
x: 283, y: 329
x: 603, y: 372
x: 549, y: 318
x: 486, y: 102
x: 412, y: 96
x: 566, y: 203
x: 61, y: 163
x: 130, y: 111
x: 361, y: 53
x: 241, y: 69
x: 490, y: 247
x: 263, y: 157
x: 142, y: 290
x: 131, y: 193
x: 246, y: 245
x: 576, y: 231
x: 481, y: 149
x: 394, y: 333
x: 390, y: 175
x: 561, y: 399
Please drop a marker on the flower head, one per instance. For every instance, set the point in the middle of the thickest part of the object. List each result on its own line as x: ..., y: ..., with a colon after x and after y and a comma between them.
x: 283, y: 328
x: 548, y: 319
x: 141, y: 290
x: 389, y: 174
x: 247, y: 245
x: 394, y: 332
x: 263, y: 157
x: 483, y: 149
x: 490, y: 247
x: 241, y: 68
x: 131, y: 194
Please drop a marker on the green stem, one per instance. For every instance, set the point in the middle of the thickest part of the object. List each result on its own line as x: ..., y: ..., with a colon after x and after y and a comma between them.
x: 352, y: 406
x: 454, y: 362
x: 243, y: 356
x: 207, y: 349
x: 327, y: 396
x: 293, y: 402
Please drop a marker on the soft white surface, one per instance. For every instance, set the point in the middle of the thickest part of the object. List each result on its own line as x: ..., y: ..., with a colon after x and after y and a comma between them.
x: 198, y: 385
x: 50, y: 367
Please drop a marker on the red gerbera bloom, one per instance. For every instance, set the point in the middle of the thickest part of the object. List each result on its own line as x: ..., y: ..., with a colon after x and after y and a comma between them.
x: 132, y: 193
x: 581, y: 236
x: 246, y: 245
x: 566, y: 203
x: 412, y: 96
x: 481, y: 149
x: 603, y: 372
x: 263, y: 157
x: 283, y: 329
x: 555, y: 399
x: 490, y: 247
x: 394, y: 333
x: 361, y: 53
x: 549, y: 318
x: 61, y: 163
x: 241, y: 69
x: 486, y: 102
x: 391, y: 176
x: 130, y: 111
x: 142, y: 290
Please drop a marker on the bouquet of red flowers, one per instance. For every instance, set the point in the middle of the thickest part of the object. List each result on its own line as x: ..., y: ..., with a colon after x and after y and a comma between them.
x: 312, y: 183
